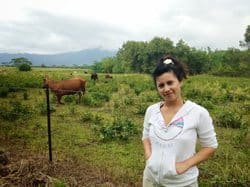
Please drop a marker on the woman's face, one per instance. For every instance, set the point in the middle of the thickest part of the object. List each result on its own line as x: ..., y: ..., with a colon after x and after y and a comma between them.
x: 169, y: 87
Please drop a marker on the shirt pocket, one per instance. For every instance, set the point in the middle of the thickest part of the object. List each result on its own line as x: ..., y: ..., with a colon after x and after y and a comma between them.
x: 154, y: 161
x: 169, y: 166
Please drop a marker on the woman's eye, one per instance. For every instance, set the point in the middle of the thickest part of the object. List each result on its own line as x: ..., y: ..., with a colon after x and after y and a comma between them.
x: 161, y: 85
x: 170, y: 82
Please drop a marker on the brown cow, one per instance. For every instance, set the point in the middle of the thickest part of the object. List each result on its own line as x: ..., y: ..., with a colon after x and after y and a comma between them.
x: 65, y: 87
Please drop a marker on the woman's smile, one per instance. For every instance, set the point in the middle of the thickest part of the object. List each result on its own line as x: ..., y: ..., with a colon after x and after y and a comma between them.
x: 168, y: 86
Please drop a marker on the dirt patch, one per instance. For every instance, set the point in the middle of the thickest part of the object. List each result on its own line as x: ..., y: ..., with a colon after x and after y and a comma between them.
x: 21, y: 167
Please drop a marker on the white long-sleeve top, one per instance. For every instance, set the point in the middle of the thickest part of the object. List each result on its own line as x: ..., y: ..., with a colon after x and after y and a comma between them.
x: 176, y: 142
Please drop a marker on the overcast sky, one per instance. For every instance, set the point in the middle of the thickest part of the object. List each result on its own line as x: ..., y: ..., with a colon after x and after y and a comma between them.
x: 55, y: 26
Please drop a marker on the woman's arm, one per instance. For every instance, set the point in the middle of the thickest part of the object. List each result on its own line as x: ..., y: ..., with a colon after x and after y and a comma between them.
x: 208, y: 141
x: 147, y: 148
x: 199, y: 157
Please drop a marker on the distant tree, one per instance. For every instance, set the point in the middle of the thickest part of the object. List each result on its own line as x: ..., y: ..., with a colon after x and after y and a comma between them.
x: 182, y: 50
x: 158, y: 47
x: 98, y: 67
x: 197, y: 61
x: 141, y: 56
x: 23, y: 64
x: 18, y: 61
x: 216, y: 60
x: 130, y: 53
x: 232, y: 57
x: 246, y: 42
x: 119, y: 66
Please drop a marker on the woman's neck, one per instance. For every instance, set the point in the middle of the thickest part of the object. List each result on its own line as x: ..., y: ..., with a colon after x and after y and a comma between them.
x: 174, y: 104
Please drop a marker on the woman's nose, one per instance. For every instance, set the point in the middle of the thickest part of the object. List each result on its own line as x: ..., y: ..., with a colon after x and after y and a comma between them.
x: 166, y: 88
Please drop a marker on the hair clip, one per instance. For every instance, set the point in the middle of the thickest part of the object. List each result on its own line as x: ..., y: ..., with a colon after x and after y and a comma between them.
x: 168, y: 61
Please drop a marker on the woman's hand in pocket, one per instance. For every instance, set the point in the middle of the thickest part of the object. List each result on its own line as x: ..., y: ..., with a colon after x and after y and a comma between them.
x: 181, y: 167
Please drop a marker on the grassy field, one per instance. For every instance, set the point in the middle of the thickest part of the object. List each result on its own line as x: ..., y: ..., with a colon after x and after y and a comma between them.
x: 104, y: 130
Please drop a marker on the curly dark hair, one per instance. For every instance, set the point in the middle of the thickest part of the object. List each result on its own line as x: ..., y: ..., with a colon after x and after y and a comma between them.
x: 178, y: 68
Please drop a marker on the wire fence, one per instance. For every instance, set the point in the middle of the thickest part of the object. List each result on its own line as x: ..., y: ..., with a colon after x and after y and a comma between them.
x: 48, y: 116
x: 26, y: 88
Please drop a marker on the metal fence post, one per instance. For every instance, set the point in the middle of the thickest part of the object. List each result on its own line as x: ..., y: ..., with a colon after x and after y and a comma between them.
x: 49, y: 129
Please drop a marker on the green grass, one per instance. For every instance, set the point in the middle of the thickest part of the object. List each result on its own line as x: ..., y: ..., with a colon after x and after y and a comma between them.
x: 129, y: 95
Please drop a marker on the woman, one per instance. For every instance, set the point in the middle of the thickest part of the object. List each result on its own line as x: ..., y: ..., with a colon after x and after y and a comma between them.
x: 171, y: 129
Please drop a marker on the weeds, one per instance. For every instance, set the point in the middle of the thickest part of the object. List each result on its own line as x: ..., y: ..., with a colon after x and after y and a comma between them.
x: 113, y: 112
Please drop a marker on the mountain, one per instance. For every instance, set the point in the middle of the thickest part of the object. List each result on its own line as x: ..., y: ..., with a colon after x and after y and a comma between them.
x: 83, y: 57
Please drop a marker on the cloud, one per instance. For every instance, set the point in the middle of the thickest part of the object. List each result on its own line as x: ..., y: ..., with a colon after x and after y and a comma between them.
x: 203, y: 23
x: 60, y: 26
x: 49, y: 33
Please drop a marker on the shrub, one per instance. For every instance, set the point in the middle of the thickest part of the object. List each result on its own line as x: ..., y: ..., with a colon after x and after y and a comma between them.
x: 15, y: 111
x: 246, y: 107
x: 240, y: 140
x: 141, y: 109
x: 24, y: 67
x: 206, y: 103
x: 240, y: 97
x: 43, y: 108
x: 138, y: 90
x: 90, y: 101
x: 97, y: 119
x: 224, y: 85
x: 69, y: 99
x: 128, y: 101
x: 25, y: 96
x: 4, y: 92
x: 229, y: 97
x: 72, y: 109
x: 86, y: 116
x: 229, y: 119
x: 101, y: 96
x: 193, y: 93
x: 120, y: 129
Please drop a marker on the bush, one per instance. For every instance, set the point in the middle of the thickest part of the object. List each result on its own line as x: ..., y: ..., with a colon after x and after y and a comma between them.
x: 86, y: 116
x: 90, y: 101
x: 101, y: 96
x: 4, y: 92
x: 16, y: 111
x: 240, y: 140
x: 228, y: 97
x: 229, y: 119
x: 206, y: 103
x: 25, y: 96
x: 141, y: 109
x: 97, y: 120
x: 69, y: 99
x: 193, y: 93
x: 120, y: 129
x: 24, y: 67
x: 128, y: 101
x: 42, y: 107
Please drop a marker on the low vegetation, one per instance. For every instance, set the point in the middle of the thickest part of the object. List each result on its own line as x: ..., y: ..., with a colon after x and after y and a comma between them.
x: 104, y: 130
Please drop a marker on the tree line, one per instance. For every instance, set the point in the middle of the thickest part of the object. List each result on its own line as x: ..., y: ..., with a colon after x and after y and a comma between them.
x: 141, y: 57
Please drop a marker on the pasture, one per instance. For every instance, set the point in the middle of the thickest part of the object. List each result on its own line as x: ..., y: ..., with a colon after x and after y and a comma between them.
x: 103, y: 131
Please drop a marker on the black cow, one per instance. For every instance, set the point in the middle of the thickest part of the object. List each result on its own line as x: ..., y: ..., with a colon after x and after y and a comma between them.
x: 94, y: 76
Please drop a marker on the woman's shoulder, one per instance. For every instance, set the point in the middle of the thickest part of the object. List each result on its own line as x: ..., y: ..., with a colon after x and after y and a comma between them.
x: 197, y: 107
x: 155, y: 106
